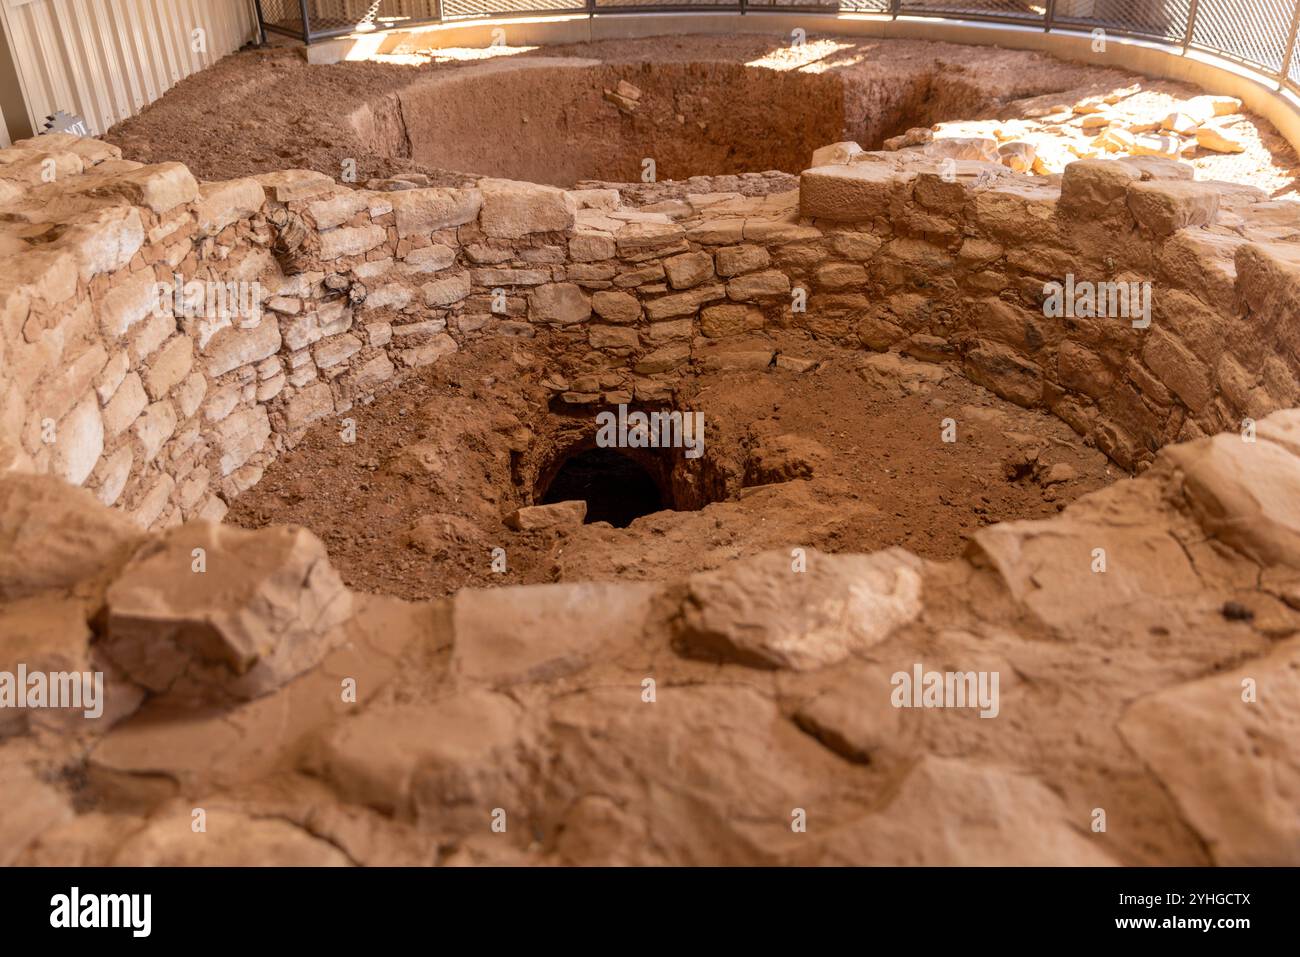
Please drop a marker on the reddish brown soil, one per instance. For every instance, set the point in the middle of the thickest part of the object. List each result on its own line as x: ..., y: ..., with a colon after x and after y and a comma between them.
x: 269, y: 109
x: 422, y: 522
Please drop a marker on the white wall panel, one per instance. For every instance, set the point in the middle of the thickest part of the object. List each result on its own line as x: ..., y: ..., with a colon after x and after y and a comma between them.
x: 108, y: 59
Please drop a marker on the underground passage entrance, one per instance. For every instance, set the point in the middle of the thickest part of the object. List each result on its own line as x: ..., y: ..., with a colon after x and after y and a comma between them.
x: 616, y: 489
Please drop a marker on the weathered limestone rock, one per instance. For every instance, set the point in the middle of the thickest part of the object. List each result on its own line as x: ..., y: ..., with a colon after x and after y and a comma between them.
x: 591, y: 247
x: 292, y: 185
x: 169, y: 366
x: 855, y: 719
x: 105, y: 240
x: 155, y: 426
x: 762, y: 612
x: 1003, y: 371
x: 892, y: 371
x: 430, y: 352
x: 262, y: 608
x: 1222, y: 138
x: 446, y: 291
x: 759, y: 285
x: 127, y: 303
x: 32, y: 806
x: 308, y: 405
x: 699, y: 748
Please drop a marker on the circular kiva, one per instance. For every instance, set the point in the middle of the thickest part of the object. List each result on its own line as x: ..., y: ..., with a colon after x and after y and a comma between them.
x: 727, y: 662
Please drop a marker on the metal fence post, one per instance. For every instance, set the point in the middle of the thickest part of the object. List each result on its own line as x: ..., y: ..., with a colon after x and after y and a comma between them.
x: 894, y: 6
x: 306, y: 21
x: 261, y: 23
x: 1191, y: 26
x: 1290, y: 48
x: 1050, y: 16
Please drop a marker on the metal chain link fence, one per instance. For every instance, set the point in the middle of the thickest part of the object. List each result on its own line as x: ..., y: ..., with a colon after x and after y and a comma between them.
x: 1261, y: 34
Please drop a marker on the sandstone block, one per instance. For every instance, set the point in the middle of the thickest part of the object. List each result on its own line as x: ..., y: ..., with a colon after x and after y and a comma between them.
x: 233, y: 347
x: 266, y: 608
x: 292, y: 185
x: 445, y: 292
x: 560, y: 515
x: 688, y: 269
x: 561, y: 303
x: 852, y: 193
x: 512, y: 210
x: 172, y: 364
x: 734, y: 260
x: 221, y: 204
x: 534, y: 633
x: 758, y: 612
x: 760, y: 285
x: 1165, y: 206
x: 350, y: 241
x: 309, y: 405
x: 79, y: 440
x: 1096, y: 189
x: 420, y: 212
x: 729, y: 319
x: 154, y: 427
x: 613, y: 306
x: 240, y: 436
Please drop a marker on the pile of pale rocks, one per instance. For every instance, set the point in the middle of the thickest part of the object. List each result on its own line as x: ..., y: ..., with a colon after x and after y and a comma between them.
x: 1050, y: 135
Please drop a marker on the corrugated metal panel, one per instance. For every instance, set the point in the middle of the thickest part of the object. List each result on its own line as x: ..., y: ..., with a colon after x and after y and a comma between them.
x: 107, y: 59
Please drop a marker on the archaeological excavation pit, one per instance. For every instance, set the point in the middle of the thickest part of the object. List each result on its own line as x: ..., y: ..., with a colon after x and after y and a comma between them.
x: 564, y: 120
x: 418, y: 469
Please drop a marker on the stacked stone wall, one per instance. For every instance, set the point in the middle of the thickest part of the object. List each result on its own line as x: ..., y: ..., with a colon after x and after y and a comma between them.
x: 168, y: 414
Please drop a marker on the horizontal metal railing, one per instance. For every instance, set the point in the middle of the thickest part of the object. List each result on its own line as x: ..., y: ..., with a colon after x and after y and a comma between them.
x: 1260, y: 34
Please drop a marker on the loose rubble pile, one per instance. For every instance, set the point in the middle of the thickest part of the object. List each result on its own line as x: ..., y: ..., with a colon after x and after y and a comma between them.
x: 1145, y: 639
x: 1050, y: 134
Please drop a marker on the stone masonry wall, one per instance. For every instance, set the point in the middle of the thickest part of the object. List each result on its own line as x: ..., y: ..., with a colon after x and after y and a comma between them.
x: 167, y: 417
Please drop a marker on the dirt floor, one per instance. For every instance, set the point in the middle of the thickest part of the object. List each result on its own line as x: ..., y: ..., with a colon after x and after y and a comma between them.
x: 842, y: 457
x: 712, y: 105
